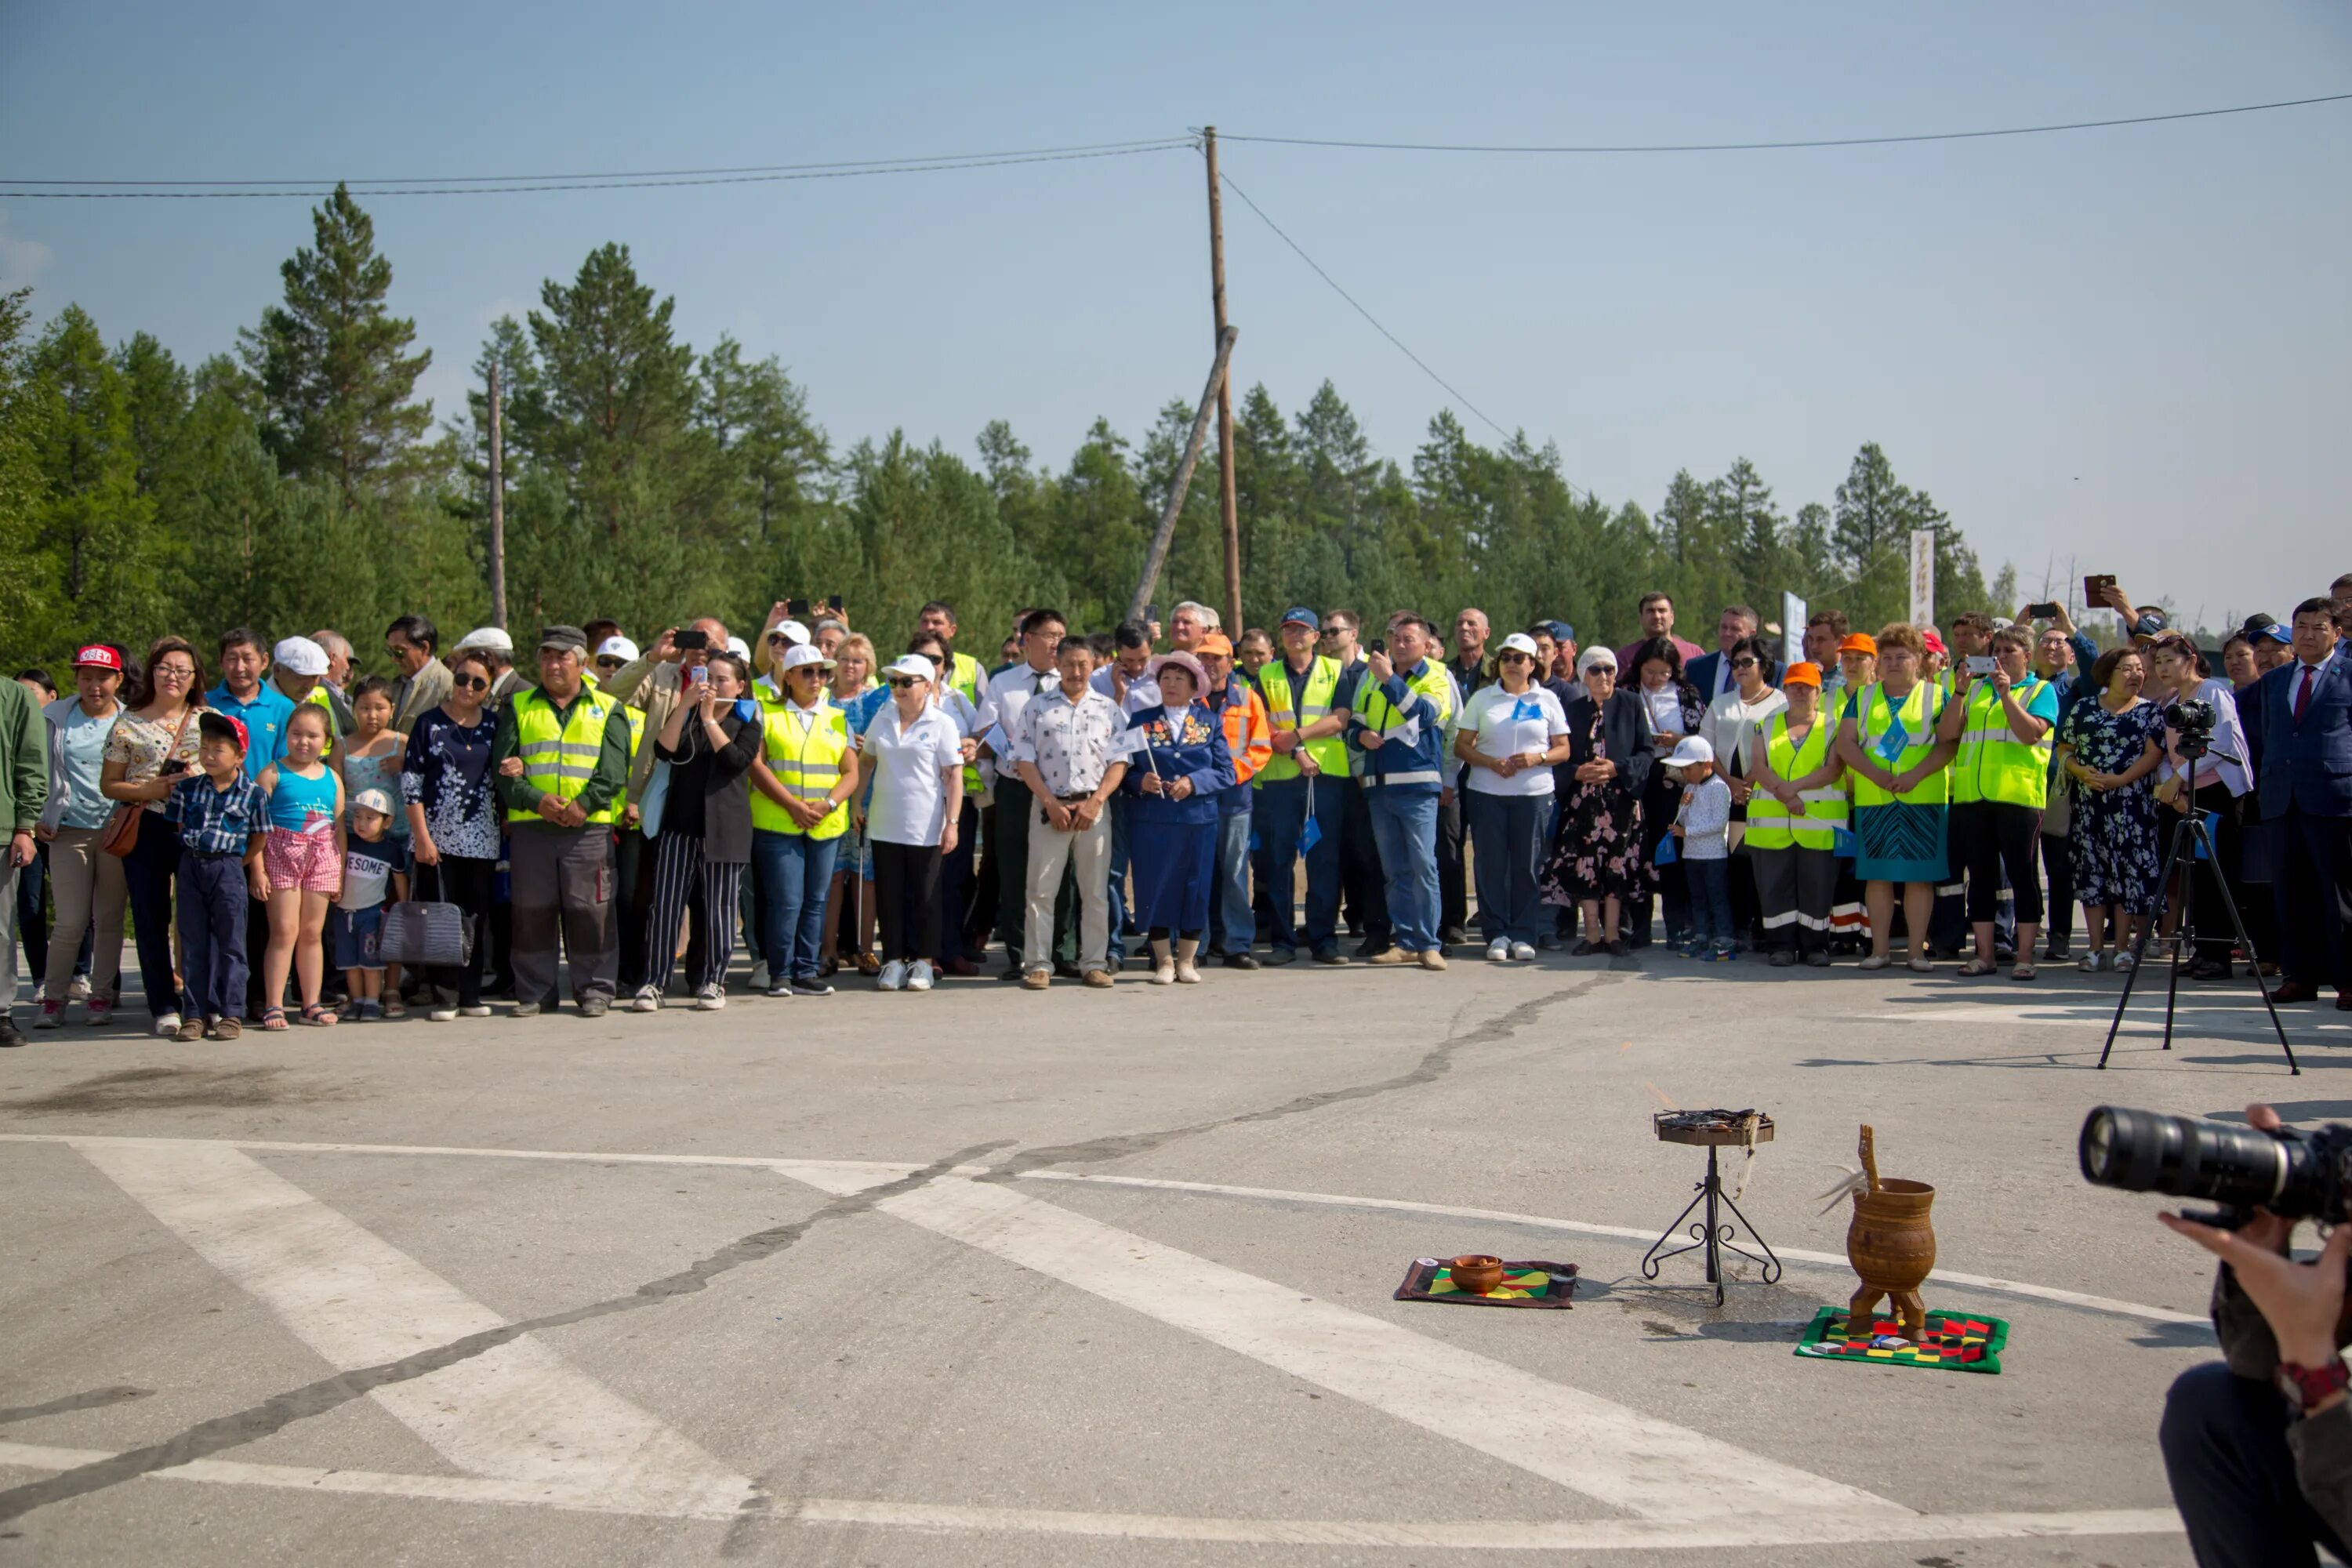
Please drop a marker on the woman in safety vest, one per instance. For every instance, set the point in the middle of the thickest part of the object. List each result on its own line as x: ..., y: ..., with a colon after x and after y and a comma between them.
x: 805, y: 779
x: 2001, y: 722
x: 1901, y: 792
x: 1796, y: 809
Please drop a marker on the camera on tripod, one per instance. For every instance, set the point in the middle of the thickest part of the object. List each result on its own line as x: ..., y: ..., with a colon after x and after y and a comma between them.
x: 2295, y: 1176
x: 2194, y: 719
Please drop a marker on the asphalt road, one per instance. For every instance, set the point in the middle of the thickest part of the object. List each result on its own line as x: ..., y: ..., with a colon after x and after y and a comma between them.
x: 990, y: 1276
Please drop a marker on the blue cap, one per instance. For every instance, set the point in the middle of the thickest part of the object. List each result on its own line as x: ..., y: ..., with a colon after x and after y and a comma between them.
x: 2276, y: 633
x: 1561, y: 631
x: 1303, y: 616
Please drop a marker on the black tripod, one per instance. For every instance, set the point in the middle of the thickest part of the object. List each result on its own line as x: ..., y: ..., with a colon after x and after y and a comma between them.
x: 2194, y: 831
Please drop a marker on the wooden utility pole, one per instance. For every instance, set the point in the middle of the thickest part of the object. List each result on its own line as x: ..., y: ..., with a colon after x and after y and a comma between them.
x: 1166, y: 532
x: 498, y: 504
x: 1224, y: 395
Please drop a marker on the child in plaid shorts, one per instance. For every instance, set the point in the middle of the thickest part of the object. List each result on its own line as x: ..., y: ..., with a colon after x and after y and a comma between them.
x: 304, y: 857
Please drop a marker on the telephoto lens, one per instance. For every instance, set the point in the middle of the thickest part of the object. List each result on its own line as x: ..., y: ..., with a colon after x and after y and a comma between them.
x: 2239, y: 1168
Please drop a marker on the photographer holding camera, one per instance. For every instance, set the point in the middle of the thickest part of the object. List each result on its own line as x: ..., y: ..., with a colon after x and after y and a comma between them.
x: 2258, y: 1447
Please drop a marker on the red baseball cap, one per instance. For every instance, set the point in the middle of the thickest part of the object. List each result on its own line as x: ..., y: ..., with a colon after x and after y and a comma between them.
x: 98, y: 655
x: 1933, y: 643
x: 223, y: 726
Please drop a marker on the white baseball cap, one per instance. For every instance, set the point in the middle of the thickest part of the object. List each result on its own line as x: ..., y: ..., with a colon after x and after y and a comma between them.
x: 791, y: 631
x: 739, y: 648
x: 375, y: 800
x: 1691, y: 749
x: 300, y: 656
x: 490, y: 639
x: 1518, y: 642
x: 912, y: 664
x: 802, y: 653
x: 617, y: 647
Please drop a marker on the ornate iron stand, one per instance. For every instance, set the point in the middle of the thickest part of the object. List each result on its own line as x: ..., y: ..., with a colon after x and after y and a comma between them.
x: 1711, y: 1234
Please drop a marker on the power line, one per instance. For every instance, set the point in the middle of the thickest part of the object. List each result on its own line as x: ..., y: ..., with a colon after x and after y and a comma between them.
x: 483, y: 186
x: 1359, y: 308
x: 1790, y: 145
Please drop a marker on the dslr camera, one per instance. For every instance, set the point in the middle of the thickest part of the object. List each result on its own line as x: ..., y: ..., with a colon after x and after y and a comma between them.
x: 2194, y: 720
x: 2295, y: 1176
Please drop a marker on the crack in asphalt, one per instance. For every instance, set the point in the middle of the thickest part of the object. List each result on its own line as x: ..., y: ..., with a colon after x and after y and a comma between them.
x: 1435, y: 1064
x: 280, y: 1411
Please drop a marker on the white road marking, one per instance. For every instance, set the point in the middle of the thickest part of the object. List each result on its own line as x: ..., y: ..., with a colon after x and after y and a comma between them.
x: 517, y: 1412
x: 1790, y: 1253
x: 2245, y: 1019
x: 884, y: 1171
x: 1586, y: 1535
x: 1581, y: 1441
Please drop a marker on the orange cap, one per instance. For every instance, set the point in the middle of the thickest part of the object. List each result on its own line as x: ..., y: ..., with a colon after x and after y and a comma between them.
x: 1216, y: 643
x: 1802, y: 674
x: 1860, y: 642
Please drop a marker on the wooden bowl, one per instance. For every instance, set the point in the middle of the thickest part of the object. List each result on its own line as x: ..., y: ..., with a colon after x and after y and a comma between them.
x: 1475, y: 1272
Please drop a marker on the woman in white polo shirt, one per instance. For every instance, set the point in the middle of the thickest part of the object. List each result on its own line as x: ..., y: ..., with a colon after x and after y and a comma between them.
x: 1510, y: 733
x: 914, y: 754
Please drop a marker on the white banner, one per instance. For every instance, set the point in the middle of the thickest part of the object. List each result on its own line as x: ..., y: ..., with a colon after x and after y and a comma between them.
x: 1923, y: 577
x: 1793, y: 612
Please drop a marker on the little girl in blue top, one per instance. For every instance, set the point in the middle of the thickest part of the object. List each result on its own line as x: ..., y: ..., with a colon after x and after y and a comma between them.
x: 303, y: 856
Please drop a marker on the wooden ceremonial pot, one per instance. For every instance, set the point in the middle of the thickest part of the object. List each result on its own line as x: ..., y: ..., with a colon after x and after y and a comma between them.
x: 1892, y: 1246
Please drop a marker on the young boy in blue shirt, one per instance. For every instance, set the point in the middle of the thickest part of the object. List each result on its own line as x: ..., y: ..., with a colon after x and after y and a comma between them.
x: 221, y: 813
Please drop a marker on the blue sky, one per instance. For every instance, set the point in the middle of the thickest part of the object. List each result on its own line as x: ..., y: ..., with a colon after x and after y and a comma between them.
x: 2128, y: 348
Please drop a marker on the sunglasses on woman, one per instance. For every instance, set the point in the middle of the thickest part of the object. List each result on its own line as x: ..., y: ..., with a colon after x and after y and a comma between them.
x: 470, y: 683
x: 901, y: 682
x: 1745, y: 662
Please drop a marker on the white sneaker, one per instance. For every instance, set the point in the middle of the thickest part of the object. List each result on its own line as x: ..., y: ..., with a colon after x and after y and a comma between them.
x: 918, y: 978
x: 760, y: 976
x: 1523, y: 952
x: 648, y: 999
x: 444, y: 1014
x: 710, y: 999
x: 894, y: 975
x: 478, y: 1010
x: 1498, y: 952
x: 2121, y: 963
x: 79, y: 991
x: 167, y: 1026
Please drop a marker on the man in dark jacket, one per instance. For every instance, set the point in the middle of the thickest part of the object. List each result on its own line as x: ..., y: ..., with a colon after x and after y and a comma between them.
x: 2305, y: 792
x: 2258, y: 1445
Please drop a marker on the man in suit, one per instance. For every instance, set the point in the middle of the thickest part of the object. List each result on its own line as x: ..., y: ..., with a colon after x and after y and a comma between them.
x: 1711, y: 672
x: 2305, y: 792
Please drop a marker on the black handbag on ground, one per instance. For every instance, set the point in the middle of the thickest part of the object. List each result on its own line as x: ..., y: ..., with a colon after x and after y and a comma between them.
x: 417, y: 932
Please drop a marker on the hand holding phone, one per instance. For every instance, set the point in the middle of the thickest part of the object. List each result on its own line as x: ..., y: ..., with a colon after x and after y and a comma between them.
x: 2042, y: 612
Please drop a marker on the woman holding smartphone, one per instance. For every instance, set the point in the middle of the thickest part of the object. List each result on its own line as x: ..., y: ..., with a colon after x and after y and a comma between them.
x: 151, y: 745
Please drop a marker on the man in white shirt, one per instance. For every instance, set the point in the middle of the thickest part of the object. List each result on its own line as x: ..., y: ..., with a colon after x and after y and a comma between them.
x: 1007, y: 693
x: 1069, y: 750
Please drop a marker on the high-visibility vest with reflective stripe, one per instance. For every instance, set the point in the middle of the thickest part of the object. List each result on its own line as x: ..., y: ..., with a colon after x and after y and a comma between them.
x: 965, y: 675
x: 805, y: 748
x: 1918, y: 711
x: 1770, y: 826
x: 1315, y: 703
x: 1992, y: 763
x: 560, y: 758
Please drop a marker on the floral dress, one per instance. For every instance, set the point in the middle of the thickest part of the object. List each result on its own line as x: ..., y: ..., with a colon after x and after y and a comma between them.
x: 2116, y: 849
x: 1597, y: 852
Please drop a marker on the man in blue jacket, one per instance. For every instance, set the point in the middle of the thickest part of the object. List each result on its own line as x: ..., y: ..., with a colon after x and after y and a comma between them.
x: 1397, y: 721
x: 2305, y: 791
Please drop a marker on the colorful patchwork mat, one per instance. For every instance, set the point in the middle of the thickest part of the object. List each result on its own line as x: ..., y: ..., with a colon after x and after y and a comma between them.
x: 1534, y: 1283
x: 1954, y: 1340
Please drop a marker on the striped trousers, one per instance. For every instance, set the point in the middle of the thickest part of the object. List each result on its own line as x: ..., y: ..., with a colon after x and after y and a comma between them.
x: 685, y: 885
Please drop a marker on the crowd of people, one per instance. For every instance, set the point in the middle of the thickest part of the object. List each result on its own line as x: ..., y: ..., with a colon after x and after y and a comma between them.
x: 1171, y: 797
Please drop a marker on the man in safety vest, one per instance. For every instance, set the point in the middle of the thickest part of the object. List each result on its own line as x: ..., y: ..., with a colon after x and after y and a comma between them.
x: 1402, y: 712
x: 1250, y: 741
x: 1305, y: 781
x: 2003, y: 721
x: 561, y: 757
x: 1794, y: 816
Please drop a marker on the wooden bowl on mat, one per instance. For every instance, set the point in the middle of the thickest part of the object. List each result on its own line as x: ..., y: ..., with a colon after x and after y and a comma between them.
x: 1475, y: 1272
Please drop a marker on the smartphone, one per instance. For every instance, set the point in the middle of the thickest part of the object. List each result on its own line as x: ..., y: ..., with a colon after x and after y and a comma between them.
x: 697, y: 674
x: 2042, y: 612
x: 796, y: 608
x: 1377, y: 644
x: 2095, y: 589
x: 832, y: 603
x: 1979, y: 664
x: 1152, y: 615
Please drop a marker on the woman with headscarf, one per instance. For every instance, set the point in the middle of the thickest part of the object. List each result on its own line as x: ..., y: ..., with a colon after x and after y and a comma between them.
x: 1596, y: 858
x: 1177, y: 765
x: 1901, y: 792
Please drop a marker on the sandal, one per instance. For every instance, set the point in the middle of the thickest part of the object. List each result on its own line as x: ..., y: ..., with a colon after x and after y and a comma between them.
x: 319, y: 1016
x: 2021, y: 971
x: 394, y: 1007
x: 868, y: 965
x: 273, y: 1019
x: 1976, y: 966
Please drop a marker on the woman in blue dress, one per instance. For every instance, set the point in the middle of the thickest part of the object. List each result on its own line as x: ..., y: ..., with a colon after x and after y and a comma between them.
x: 2110, y: 747
x: 1177, y: 765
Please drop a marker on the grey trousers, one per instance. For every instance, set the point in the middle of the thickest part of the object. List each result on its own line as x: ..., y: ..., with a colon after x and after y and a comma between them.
x: 1086, y: 853
x: 9, y: 872
x: 563, y: 881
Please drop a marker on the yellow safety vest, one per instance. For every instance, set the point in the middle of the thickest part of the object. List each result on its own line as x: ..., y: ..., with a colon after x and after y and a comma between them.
x: 1329, y: 751
x: 1919, y: 712
x: 559, y: 759
x: 965, y: 675
x: 1770, y: 826
x: 805, y: 748
x: 1992, y: 762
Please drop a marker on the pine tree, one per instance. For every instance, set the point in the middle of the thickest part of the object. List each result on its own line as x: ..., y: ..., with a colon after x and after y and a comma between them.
x: 336, y: 384
x: 99, y: 558
x: 22, y: 613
